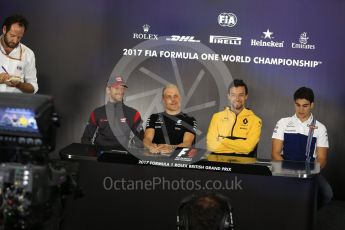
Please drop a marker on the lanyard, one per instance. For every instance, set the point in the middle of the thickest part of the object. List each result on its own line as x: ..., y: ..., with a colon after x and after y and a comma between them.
x: 310, y: 138
x: 164, y: 129
x: 13, y: 58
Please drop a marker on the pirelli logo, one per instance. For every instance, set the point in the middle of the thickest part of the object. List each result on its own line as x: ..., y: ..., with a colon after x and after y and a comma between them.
x: 225, y: 40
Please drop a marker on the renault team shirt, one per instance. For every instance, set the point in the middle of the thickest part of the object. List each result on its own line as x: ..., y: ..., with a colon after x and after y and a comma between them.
x: 294, y: 133
x: 20, y: 62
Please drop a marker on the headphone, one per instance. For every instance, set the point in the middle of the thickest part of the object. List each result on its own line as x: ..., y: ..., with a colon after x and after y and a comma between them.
x: 227, y: 222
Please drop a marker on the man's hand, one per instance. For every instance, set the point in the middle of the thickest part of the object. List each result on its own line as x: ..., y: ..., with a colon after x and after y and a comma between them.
x: 154, y: 149
x: 4, y: 77
x: 13, y: 83
x: 161, y: 149
x: 17, y: 82
x: 165, y: 149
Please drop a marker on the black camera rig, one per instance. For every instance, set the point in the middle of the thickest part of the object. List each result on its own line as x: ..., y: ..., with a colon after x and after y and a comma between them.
x: 33, y: 187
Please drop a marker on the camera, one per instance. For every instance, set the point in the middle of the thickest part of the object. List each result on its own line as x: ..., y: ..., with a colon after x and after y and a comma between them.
x: 33, y: 187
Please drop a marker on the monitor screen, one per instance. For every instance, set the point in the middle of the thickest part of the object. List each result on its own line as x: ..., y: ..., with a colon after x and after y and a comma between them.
x: 18, y: 120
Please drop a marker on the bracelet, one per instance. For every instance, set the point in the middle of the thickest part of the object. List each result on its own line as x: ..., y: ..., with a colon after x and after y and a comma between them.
x: 173, y: 147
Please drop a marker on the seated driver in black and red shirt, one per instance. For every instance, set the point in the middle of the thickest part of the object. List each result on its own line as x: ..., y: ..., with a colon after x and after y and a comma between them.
x: 115, y: 123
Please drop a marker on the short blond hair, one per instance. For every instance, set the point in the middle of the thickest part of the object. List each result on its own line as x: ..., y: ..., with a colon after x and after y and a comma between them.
x: 169, y: 86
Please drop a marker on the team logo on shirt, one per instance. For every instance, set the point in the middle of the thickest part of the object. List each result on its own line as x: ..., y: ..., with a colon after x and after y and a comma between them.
x: 290, y: 124
x: 178, y: 124
x: 312, y: 126
x: 275, y: 129
x: 244, y: 124
x: 195, y: 126
x: 159, y: 120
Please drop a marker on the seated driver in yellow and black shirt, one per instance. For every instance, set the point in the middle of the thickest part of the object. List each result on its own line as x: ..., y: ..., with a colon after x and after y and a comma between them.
x: 234, y: 133
x: 172, y: 128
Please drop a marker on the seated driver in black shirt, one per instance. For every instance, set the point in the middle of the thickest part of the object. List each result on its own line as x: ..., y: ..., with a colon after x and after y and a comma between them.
x: 170, y: 129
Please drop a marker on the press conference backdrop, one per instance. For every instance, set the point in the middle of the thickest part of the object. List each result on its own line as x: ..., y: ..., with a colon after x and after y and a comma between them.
x: 274, y: 46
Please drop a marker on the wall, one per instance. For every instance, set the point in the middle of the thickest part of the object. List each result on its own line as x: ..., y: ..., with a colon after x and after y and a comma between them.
x: 78, y: 44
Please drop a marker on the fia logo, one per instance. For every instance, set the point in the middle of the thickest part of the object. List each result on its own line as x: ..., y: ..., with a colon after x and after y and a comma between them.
x: 227, y: 19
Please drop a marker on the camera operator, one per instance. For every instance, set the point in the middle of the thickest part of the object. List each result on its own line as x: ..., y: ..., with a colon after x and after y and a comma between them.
x: 206, y: 211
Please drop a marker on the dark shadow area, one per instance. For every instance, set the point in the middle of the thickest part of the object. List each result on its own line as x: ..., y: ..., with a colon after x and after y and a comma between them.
x: 332, y: 216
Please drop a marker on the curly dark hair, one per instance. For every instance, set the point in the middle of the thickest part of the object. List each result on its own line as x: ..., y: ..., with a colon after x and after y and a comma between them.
x: 16, y: 18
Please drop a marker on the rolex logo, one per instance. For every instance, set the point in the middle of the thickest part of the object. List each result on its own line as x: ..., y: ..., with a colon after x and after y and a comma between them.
x: 146, y: 28
x: 145, y: 35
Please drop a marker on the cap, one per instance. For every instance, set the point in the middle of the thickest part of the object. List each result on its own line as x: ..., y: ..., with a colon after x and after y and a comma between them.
x: 116, y: 81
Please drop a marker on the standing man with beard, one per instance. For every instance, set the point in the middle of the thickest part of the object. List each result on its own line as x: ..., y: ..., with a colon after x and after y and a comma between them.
x: 234, y: 133
x: 18, y: 70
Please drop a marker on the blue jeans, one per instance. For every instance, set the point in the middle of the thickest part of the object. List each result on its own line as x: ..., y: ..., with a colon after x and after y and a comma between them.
x: 325, y: 192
